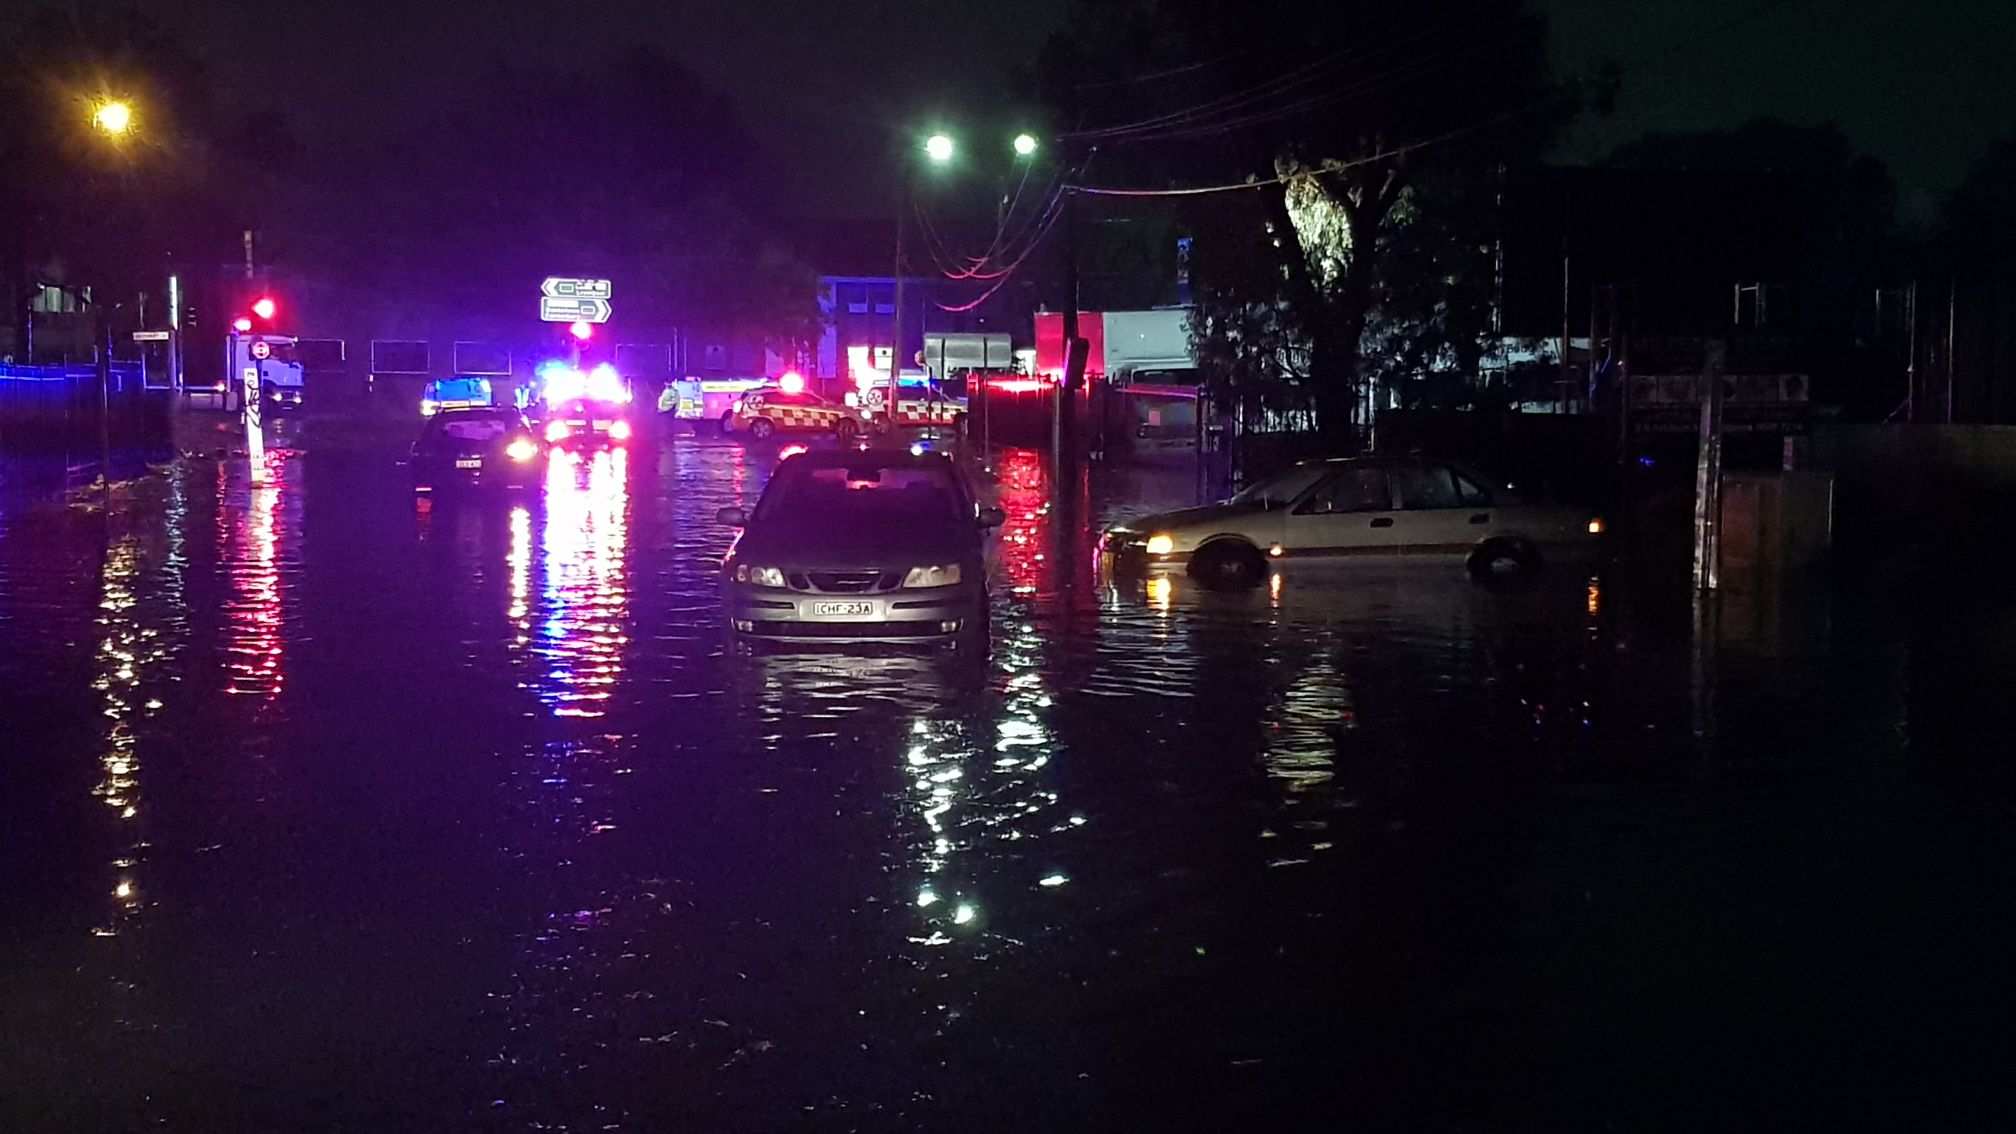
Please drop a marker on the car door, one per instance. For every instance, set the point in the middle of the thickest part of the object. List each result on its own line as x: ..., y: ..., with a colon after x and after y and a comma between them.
x: 1441, y: 511
x: 1348, y: 514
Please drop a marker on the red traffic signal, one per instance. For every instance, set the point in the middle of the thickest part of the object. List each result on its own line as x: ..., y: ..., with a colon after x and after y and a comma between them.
x: 242, y: 324
x: 265, y: 308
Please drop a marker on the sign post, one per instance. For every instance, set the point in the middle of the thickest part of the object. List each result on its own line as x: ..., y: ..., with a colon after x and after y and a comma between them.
x: 255, y: 440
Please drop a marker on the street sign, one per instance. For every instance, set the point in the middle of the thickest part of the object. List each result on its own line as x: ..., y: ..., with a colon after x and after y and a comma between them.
x: 150, y: 336
x: 562, y: 287
x: 261, y: 349
x: 569, y: 309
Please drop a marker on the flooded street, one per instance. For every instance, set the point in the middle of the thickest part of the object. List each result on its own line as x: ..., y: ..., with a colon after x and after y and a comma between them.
x: 323, y: 811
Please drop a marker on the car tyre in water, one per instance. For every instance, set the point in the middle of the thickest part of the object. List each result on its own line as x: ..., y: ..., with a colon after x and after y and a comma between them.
x: 846, y: 430
x: 1504, y: 561
x: 1228, y: 566
x: 761, y: 429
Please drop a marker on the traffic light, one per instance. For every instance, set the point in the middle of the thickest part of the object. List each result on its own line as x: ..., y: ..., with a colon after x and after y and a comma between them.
x: 582, y: 329
x: 265, y: 308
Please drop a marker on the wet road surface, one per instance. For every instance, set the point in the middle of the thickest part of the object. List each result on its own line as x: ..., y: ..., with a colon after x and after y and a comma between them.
x: 320, y: 811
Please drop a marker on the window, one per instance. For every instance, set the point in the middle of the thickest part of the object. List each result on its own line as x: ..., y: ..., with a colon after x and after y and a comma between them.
x: 1361, y: 489
x: 1281, y: 489
x: 1426, y: 487
x: 1471, y: 494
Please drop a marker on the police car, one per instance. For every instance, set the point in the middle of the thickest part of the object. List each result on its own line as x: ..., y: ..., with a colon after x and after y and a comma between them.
x: 930, y: 406
x: 762, y: 413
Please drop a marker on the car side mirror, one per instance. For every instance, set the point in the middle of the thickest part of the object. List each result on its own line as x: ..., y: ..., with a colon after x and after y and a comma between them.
x: 733, y: 517
x: 992, y: 517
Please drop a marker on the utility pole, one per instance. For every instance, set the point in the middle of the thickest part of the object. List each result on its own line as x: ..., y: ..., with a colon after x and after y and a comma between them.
x: 1911, y: 366
x: 1952, y: 325
x: 896, y: 324
x: 1708, y: 473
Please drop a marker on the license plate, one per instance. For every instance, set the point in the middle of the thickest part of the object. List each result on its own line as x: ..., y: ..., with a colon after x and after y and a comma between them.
x: 843, y: 608
x: 468, y: 462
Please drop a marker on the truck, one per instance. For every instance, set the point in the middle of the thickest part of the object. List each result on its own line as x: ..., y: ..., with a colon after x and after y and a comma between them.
x: 275, y: 360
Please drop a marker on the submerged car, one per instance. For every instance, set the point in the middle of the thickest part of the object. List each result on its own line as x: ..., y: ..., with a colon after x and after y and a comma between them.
x: 861, y: 545
x: 473, y: 448
x: 1355, y: 508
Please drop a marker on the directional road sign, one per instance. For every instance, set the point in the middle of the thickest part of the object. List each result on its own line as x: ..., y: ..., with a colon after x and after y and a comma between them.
x: 558, y: 309
x: 562, y: 287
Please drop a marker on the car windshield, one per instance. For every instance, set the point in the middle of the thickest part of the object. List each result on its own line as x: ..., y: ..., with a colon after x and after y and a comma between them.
x: 836, y: 499
x: 1281, y: 489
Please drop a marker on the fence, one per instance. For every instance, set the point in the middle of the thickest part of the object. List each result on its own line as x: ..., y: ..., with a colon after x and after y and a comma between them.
x: 57, y: 425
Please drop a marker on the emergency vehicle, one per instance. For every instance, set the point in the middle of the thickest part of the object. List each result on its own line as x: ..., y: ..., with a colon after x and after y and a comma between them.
x: 582, y: 409
x: 761, y: 413
x: 928, y: 405
x: 707, y: 399
x: 462, y: 391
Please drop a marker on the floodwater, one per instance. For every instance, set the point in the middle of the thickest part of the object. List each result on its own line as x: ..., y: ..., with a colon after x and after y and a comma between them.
x: 322, y: 811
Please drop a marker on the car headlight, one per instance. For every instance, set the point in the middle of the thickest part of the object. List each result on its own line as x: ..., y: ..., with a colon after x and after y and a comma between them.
x: 1596, y: 526
x: 428, y: 406
x: 735, y: 407
x: 1161, y: 543
x: 556, y: 431
x: 759, y: 576
x: 521, y: 449
x: 943, y: 575
x: 619, y: 430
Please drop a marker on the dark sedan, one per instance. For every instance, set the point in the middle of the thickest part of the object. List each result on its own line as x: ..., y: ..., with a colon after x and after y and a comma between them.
x: 484, y: 446
x: 861, y: 545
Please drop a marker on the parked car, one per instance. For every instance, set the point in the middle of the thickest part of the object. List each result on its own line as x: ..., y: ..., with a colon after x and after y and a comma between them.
x: 1356, y: 508
x: 476, y: 447
x: 865, y: 545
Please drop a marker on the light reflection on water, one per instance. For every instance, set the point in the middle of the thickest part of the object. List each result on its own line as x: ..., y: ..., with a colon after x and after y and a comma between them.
x: 583, y: 627
x: 853, y: 888
x: 250, y: 542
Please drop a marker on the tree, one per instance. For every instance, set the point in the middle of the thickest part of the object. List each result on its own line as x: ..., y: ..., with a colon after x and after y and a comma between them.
x: 1377, y: 130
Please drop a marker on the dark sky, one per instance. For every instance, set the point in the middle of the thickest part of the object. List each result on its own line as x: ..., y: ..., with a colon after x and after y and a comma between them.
x: 1922, y: 86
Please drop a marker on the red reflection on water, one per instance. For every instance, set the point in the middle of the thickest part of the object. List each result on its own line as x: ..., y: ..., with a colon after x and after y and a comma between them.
x: 1025, y: 534
x: 249, y: 538
x: 585, y: 591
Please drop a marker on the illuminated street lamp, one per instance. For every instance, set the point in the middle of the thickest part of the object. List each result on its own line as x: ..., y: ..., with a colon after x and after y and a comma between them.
x: 1025, y: 145
x: 938, y: 147
x: 112, y: 117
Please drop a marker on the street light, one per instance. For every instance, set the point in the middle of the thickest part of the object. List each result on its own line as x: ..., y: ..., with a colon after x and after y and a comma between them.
x: 112, y: 117
x: 938, y: 147
x: 1025, y: 145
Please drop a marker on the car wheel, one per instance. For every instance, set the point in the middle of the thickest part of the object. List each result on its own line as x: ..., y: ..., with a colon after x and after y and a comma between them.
x: 847, y: 430
x: 727, y: 423
x: 761, y: 428
x: 1228, y: 566
x: 1503, y: 560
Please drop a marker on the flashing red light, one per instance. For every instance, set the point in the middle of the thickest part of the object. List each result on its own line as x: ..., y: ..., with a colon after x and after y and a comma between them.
x: 1019, y: 385
x: 581, y: 329
x: 242, y: 324
x: 264, y: 307
x: 791, y: 382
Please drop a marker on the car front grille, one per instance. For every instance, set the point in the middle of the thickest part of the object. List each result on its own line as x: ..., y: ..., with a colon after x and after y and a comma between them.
x: 845, y: 582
